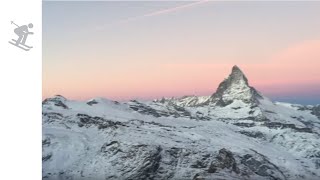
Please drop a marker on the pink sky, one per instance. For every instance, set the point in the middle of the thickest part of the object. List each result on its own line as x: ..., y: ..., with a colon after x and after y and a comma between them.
x: 146, y: 50
x: 292, y: 70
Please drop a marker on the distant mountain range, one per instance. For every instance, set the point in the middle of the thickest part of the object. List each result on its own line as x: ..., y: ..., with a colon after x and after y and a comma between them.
x: 235, y: 133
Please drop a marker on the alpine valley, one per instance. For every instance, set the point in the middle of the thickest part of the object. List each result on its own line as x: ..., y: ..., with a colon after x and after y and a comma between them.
x: 235, y: 133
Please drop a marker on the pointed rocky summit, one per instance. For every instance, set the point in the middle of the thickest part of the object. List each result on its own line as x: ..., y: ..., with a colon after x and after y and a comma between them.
x: 235, y: 87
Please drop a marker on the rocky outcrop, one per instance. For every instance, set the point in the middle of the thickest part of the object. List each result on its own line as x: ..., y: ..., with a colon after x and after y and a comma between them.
x: 261, y: 166
x: 57, y: 100
x: 276, y: 125
x: 101, y: 123
x: 171, y: 110
x: 51, y: 117
x: 316, y: 111
x: 253, y: 134
x: 92, y: 102
x: 153, y: 161
x: 226, y: 165
x: 224, y: 160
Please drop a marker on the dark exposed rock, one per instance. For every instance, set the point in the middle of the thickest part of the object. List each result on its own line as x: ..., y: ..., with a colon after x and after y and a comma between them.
x: 101, y: 123
x: 141, y: 123
x: 51, y: 116
x: 198, y: 177
x: 253, y: 134
x: 276, y: 125
x: 181, y: 110
x: 46, y: 142
x: 260, y: 165
x: 199, y: 164
x: 144, y: 109
x: 46, y: 157
x: 163, y: 100
x: 251, y: 111
x: 224, y: 160
x: 242, y: 124
x: 92, y: 102
x: 200, y: 116
x: 316, y: 111
x: 259, y: 118
x: 317, y: 163
x: 159, y: 124
x: 267, y: 111
x: 112, y: 147
x: 304, y: 108
x: 241, y: 167
x: 175, y: 111
x: 315, y: 154
x: 149, y: 166
x: 57, y: 100
x: 154, y: 162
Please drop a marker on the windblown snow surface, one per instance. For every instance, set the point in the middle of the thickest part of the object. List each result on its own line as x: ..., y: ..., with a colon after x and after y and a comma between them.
x: 236, y: 133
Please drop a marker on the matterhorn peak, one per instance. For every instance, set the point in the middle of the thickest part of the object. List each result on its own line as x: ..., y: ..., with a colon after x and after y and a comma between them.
x: 237, y: 75
x: 235, y: 87
x: 235, y: 69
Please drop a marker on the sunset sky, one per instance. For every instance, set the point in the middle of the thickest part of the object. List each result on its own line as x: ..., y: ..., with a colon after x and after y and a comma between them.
x: 146, y: 50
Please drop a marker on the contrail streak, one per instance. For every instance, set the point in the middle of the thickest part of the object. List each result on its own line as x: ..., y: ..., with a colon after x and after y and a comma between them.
x: 160, y: 12
x: 165, y: 11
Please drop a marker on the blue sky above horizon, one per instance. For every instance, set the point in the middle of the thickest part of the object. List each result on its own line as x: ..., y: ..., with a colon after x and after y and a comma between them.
x: 128, y: 50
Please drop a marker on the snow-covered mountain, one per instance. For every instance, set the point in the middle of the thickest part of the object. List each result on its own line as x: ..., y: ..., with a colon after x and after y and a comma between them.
x: 236, y: 133
x: 235, y: 87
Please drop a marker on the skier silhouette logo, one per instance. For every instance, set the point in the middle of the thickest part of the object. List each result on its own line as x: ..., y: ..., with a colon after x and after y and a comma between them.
x: 22, y: 32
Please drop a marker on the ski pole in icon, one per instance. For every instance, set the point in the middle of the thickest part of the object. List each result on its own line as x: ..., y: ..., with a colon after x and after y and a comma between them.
x: 22, y: 32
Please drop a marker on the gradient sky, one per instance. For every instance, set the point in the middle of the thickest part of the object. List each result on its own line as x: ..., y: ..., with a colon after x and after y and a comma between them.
x: 146, y: 50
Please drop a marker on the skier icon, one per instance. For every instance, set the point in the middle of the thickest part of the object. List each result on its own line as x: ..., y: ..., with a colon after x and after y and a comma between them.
x: 22, y: 32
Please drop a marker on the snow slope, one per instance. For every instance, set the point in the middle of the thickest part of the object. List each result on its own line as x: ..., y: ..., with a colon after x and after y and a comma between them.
x: 236, y: 133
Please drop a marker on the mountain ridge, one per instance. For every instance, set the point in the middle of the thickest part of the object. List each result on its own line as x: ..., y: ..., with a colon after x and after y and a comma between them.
x: 234, y: 87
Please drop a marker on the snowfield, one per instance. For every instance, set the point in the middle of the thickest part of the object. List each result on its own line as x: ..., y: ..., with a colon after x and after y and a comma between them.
x: 236, y: 133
